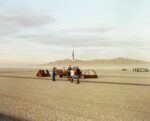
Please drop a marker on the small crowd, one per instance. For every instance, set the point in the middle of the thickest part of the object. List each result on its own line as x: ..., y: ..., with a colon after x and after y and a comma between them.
x: 72, y: 73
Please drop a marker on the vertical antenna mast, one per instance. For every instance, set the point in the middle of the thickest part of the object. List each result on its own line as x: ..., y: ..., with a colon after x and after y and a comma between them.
x: 73, y: 56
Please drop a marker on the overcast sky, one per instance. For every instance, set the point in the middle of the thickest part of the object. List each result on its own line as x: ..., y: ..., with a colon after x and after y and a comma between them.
x: 39, y: 31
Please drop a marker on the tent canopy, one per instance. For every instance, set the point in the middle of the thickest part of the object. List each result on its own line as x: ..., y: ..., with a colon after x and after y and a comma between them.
x: 90, y: 74
x: 43, y: 73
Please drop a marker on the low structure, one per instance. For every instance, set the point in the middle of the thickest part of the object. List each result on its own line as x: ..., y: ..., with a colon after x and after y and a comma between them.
x: 61, y: 72
x: 43, y: 73
x: 90, y: 74
x: 140, y: 70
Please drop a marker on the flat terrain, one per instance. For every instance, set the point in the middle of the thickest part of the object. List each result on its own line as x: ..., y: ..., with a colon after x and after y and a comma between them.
x: 114, y: 96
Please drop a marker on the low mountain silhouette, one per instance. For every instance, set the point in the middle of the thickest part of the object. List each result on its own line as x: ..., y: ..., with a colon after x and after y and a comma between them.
x: 118, y: 60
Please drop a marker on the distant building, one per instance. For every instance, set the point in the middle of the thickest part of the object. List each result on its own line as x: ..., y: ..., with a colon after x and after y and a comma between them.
x: 140, y: 70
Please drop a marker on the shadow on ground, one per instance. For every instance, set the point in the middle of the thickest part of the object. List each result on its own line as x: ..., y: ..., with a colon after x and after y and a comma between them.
x: 5, y: 117
x: 118, y: 83
x: 86, y: 80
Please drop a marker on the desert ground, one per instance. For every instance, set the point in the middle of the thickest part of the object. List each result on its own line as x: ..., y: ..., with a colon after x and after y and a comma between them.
x: 114, y: 96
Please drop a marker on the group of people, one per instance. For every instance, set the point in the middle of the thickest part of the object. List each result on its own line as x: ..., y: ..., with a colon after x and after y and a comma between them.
x: 72, y: 73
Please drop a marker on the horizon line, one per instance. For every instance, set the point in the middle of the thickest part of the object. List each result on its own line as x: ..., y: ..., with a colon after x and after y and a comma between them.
x: 102, y: 59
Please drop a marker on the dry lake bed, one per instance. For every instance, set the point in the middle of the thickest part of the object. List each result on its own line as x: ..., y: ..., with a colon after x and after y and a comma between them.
x: 114, y: 96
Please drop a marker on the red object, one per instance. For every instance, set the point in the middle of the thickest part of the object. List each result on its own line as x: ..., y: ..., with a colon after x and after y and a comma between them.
x: 69, y: 79
x: 43, y: 73
x: 78, y: 72
x: 90, y: 76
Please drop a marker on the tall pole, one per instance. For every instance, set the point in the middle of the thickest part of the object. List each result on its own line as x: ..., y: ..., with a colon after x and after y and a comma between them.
x: 73, y: 56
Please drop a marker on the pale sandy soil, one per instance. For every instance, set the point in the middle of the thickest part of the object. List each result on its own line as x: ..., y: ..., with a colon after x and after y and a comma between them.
x: 114, y: 96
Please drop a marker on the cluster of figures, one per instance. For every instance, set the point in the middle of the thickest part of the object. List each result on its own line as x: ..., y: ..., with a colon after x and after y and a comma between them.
x: 72, y: 73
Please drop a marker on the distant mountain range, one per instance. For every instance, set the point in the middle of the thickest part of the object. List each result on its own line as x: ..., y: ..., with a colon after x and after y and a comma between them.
x: 119, y: 60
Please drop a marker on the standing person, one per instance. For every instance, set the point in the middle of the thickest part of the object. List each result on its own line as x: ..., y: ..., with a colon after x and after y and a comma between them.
x: 54, y: 74
x: 78, y: 74
x: 69, y: 71
x: 72, y: 75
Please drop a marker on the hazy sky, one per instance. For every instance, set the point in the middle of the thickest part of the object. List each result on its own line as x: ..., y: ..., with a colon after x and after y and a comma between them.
x: 39, y: 31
